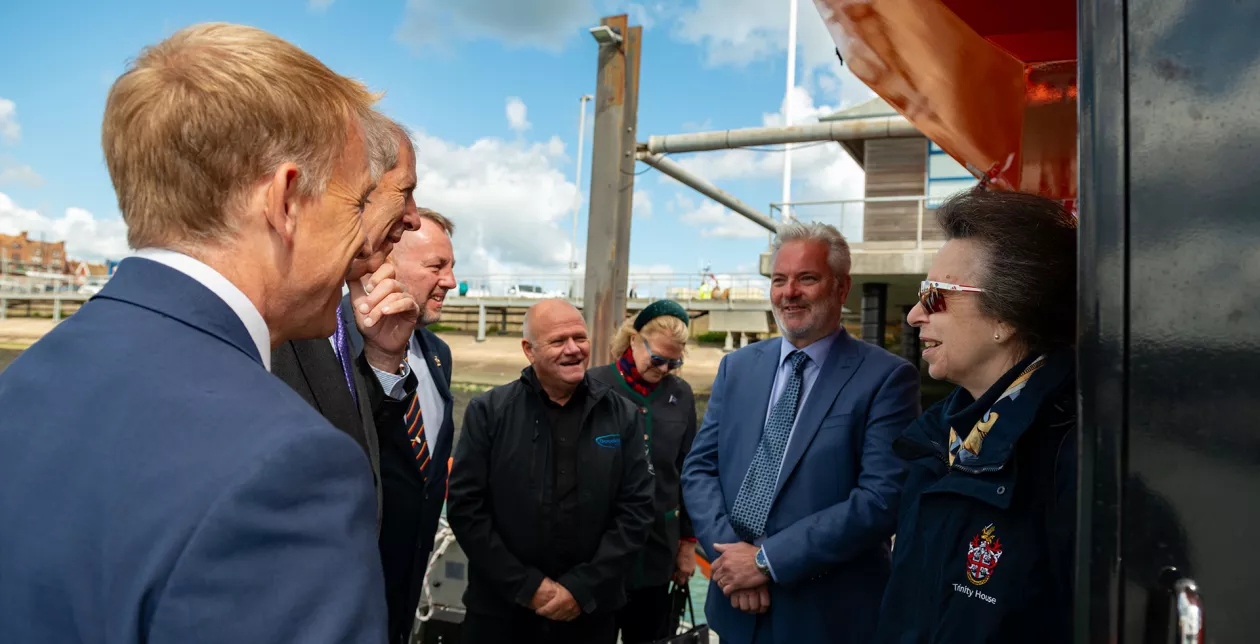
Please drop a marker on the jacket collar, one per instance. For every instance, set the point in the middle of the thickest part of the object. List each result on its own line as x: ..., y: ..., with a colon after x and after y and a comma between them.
x: 589, y: 387
x: 929, y: 434
x: 167, y: 291
x: 430, y: 359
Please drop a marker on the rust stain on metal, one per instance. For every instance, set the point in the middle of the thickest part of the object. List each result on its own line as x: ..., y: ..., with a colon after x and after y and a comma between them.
x: 615, y: 73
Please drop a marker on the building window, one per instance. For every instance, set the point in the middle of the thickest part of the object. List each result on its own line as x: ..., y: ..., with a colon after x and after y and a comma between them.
x: 945, y: 176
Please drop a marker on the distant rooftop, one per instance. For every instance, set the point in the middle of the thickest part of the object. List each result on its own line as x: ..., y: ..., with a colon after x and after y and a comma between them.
x: 870, y: 109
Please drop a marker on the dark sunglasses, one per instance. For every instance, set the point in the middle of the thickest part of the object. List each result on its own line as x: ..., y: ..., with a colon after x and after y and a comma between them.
x: 658, y: 361
x: 932, y: 296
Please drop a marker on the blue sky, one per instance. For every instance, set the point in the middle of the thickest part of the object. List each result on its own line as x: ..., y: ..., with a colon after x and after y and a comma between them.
x: 491, y: 89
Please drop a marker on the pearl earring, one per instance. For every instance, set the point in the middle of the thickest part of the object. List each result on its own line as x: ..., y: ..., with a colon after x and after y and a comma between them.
x: 997, y: 338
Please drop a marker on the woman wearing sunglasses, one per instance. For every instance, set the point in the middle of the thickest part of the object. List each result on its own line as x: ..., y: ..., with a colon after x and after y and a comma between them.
x: 986, y: 529
x: 646, y: 353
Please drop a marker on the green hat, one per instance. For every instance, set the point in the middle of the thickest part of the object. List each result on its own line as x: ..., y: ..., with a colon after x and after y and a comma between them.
x: 657, y: 309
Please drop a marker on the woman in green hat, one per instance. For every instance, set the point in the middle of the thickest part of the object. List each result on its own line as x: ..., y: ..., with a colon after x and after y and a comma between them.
x: 647, y: 351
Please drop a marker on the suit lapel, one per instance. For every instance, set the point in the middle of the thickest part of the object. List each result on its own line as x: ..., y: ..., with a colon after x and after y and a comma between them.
x: 327, y: 382
x: 438, y: 376
x: 755, y: 388
x: 836, y: 371
x: 435, y: 370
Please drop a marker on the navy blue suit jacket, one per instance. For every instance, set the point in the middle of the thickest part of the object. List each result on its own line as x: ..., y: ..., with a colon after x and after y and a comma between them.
x: 835, y: 506
x: 158, y: 485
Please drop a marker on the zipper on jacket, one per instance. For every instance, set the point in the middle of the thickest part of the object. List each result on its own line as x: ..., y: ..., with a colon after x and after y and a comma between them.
x: 988, y: 469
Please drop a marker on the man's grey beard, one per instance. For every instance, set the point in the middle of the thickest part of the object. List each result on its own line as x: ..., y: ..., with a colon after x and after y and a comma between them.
x: 819, y: 313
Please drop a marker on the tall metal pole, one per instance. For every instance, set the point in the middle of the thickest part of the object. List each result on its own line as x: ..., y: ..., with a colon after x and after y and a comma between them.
x: 612, y: 183
x: 787, y: 109
x: 577, y: 202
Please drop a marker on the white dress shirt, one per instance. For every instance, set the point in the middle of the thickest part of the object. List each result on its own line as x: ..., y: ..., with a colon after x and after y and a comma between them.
x: 389, y: 381
x: 432, y: 407
x: 220, y: 286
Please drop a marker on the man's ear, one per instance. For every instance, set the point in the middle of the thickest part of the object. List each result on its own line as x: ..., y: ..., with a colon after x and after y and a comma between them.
x: 845, y: 285
x: 528, y: 349
x: 282, y: 204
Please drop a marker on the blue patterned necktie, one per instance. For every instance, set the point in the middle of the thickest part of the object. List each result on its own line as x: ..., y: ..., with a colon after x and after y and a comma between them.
x: 343, y: 354
x: 752, y: 504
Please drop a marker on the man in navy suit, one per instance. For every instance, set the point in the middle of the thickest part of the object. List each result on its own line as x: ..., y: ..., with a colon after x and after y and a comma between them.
x: 171, y: 489
x: 791, y: 484
x: 416, y: 431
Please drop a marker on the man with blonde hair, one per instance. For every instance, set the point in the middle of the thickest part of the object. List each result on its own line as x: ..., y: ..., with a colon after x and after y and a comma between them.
x: 182, y: 493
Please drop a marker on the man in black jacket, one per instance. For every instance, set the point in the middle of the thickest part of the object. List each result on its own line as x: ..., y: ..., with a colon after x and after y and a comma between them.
x: 550, y: 494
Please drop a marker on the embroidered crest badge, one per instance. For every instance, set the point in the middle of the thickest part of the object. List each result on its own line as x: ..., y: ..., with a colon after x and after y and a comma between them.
x: 982, y: 556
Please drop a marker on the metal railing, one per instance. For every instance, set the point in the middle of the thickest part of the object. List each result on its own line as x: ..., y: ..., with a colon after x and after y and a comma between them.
x: 849, y: 216
x: 678, y: 286
x: 49, y: 283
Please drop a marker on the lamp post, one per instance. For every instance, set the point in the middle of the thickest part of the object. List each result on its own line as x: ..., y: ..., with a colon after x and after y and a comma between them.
x: 577, y: 202
x: 787, y: 111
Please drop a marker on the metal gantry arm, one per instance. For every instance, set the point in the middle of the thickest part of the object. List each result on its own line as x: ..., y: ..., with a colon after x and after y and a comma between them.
x: 707, y: 189
x: 652, y: 152
x: 882, y: 127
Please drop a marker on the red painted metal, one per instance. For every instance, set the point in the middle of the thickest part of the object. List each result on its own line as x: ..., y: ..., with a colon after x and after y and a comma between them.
x: 993, y: 82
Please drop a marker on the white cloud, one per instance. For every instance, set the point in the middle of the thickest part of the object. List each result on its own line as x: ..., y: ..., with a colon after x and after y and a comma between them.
x: 511, y: 201
x: 739, y: 32
x: 652, y: 269
x: 319, y: 5
x: 10, y: 131
x: 642, y: 207
x: 517, y: 114
x: 713, y: 220
x: 545, y: 24
x: 86, y: 236
x: 14, y: 173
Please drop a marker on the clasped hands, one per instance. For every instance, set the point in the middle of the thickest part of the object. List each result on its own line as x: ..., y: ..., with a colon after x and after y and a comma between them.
x: 554, y: 602
x: 735, y: 572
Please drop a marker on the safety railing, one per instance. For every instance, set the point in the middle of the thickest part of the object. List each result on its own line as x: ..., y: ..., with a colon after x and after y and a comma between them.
x: 678, y: 286
x: 870, y: 223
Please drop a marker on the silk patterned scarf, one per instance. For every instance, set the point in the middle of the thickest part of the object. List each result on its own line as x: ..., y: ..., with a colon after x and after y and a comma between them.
x: 966, y: 450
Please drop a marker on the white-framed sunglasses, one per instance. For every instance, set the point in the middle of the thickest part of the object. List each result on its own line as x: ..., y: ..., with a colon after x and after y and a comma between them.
x: 931, y: 294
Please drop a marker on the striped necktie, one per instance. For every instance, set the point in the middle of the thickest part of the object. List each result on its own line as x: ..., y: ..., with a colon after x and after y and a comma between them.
x: 414, y: 420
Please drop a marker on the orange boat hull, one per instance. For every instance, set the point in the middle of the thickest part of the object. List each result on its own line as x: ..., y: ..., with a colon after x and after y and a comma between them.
x: 993, y: 82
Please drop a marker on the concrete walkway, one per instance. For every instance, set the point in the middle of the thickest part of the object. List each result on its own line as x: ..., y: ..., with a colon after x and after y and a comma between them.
x: 500, y: 359
x: 494, y: 362
x: 19, y: 333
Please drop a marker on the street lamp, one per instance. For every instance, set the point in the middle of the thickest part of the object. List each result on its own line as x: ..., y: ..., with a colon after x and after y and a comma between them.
x: 605, y: 35
x: 577, y: 201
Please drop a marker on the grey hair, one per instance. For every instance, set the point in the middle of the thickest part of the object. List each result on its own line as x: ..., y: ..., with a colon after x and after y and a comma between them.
x: 529, y: 314
x: 838, y: 257
x: 384, y: 136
